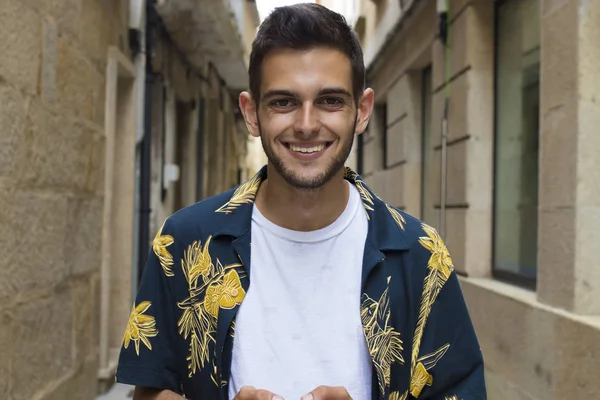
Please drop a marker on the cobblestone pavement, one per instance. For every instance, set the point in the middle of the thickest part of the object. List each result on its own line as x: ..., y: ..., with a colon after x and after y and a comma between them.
x: 118, y: 392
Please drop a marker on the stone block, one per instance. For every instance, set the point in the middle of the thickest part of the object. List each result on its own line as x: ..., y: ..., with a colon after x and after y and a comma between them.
x: 588, y: 147
x: 58, y: 150
x: 76, y: 79
x: 478, y: 242
x: 96, y: 177
x: 395, y: 186
x: 372, y: 157
x: 558, y: 157
x: 576, y: 377
x: 65, y: 13
x: 95, y: 293
x: 548, y: 354
x: 395, y: 144
x: 480, y: 36
x: 556, y: 257
x: 412, y: 188
x: 43, y: 342
x: 547, y: 6
x: 82, y: 303
x: 82, y: 384
x: 455, y: 236
x: 6, y: 351
x: 377, y: 183
x: 456, y: 174
x: 12, y: 120
x: 523, y: 353
x: 49, y: 61
x: 480, y: 147
x: 397, y: 99
x: 558, y: 86
x: 83, y: 247
x: 472, y: 41
x: 587, y: 273
x: 33, y: 234
x: 458, y: 110
x: 21, y: 35
x: 94, y: 29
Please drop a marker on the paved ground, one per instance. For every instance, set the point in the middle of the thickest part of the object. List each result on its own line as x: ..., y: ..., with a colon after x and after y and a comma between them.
x: 118, y: 392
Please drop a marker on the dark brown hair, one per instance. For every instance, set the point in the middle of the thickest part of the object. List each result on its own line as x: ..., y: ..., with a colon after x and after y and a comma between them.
x: 302, y: 27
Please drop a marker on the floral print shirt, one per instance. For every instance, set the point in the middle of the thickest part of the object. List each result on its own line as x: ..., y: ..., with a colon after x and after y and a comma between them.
x: 182, y: 326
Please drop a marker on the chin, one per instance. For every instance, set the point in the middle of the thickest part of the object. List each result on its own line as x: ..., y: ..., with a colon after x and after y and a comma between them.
x: 307, y: 177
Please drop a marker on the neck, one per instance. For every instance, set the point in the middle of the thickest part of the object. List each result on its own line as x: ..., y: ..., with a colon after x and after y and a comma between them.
x: 301, y: 209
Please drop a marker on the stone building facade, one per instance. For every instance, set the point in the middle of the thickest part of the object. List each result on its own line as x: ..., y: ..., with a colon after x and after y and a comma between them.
x: 73, y: 124
x: 518, y: 201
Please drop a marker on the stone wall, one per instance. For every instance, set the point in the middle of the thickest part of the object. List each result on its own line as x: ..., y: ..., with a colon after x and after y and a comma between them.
x: 52, y: 96
x: 537, y: 344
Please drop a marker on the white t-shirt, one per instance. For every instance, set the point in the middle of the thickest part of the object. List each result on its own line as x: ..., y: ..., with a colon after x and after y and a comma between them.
x: 299, y: 325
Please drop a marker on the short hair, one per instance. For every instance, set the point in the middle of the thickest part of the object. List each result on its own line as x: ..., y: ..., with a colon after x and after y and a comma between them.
x: 303, y: 27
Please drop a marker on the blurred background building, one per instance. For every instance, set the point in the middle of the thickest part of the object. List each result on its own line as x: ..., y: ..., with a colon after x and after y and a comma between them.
x: 515, y: 186
x: 116, y: 113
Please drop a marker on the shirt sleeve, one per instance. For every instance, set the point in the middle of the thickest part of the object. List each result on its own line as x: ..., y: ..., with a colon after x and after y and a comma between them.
x: 147, y: 356
x: 450, y: 349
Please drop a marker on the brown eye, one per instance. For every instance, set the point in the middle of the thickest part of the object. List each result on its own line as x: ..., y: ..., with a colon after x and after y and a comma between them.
x: 333, y: 101
x: 282, y: 103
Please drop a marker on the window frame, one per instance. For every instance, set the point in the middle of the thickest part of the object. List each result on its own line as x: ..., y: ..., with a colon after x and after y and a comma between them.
x: 510, y: 277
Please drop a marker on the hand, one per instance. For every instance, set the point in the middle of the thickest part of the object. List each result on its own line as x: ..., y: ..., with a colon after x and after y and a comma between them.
x: 250, y: 393
x: 328, y: 393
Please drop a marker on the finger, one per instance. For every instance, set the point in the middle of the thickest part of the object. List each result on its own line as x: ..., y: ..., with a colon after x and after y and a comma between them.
x: 328, y: 393
x: 245, y: 393
x: 266, y: 395
x: 251, y: 393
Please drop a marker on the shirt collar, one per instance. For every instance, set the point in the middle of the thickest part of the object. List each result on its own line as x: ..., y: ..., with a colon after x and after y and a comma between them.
x: 386, y: 224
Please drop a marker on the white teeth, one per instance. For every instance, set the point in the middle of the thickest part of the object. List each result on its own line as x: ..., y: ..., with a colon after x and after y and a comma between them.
x: 313, y: 149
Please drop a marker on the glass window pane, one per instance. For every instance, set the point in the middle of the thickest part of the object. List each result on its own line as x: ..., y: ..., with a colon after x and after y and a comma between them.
x: 517, y: 134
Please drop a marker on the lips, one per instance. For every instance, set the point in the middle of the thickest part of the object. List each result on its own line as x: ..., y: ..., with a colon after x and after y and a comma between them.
x: 308, y: 148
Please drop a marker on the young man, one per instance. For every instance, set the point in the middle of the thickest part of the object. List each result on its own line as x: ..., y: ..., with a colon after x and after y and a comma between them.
x: 301, y: 283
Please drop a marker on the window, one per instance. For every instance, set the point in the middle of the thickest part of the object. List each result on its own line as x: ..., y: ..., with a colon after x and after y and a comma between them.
x: 429, y: 214
x: 516, y: 140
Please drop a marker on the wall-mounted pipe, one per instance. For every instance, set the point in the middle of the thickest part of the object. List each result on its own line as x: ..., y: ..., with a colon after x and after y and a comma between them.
x: 145, y: 175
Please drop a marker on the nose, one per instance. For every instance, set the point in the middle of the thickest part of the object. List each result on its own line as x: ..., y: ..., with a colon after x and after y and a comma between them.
x: 307, y: 120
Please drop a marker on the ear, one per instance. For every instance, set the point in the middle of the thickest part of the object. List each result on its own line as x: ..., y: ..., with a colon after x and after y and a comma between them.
x: 250, y: 111
x: 365, y: 109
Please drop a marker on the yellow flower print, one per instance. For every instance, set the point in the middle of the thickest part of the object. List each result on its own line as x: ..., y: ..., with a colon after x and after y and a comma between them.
x: 140, y: 327
x: 159, y: 246
x: 197, y: 263
x: 440, y: 258
x: 226, y: 294
x: 419, y: 379
x: 244, y: 194
x: 382, y: 339
x: 397, y: 396
x: 440, y: 268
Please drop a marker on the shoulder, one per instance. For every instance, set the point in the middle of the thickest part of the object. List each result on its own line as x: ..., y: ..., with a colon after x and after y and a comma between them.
x: 428, y: 254
x: 423, y: 241
x: 201, y: 217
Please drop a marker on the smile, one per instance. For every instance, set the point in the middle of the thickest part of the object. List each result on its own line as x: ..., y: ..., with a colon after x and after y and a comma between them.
x: 308, y: 149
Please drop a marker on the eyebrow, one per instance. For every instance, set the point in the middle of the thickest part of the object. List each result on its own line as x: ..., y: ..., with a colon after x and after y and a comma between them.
x: 289, y: 93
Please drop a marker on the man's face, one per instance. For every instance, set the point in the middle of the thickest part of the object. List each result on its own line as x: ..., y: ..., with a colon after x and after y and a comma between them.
x: 307, y: 116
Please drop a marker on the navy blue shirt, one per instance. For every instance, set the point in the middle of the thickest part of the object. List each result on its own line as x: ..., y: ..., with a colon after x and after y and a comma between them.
x: 182, y: 326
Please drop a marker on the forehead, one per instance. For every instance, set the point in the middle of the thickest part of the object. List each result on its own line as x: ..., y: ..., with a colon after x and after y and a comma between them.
x: 306, y: 70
